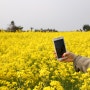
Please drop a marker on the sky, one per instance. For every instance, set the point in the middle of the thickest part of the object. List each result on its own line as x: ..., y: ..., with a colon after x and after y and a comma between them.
x: 62, y: 15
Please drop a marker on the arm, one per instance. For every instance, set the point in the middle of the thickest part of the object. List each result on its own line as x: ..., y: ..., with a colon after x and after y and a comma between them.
x: 80, y: 63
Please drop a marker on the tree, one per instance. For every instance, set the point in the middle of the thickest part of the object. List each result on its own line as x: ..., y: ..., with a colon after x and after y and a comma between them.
x: 86, y: 27
x: 12, y: 27
x: 31, y: 29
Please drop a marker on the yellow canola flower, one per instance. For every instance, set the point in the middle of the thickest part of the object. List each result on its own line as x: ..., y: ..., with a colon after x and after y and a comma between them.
x: 88, y: 70
x: 48, y: 88
x: 27, y: 61
x: 44, y: 72
x: 56, y: 85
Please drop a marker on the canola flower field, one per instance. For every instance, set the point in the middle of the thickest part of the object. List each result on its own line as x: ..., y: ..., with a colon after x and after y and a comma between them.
x: 27, y: 61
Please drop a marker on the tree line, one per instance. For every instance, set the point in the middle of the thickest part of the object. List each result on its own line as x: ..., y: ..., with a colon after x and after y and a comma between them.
x: 13, y: 28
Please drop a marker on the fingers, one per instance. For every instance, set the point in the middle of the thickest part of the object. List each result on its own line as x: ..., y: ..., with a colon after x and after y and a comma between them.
x: 54, y: 52
x: 64, y: 59
x: 66, y: 54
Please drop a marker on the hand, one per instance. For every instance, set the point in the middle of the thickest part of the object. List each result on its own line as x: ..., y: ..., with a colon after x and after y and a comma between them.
x: 68, y: 57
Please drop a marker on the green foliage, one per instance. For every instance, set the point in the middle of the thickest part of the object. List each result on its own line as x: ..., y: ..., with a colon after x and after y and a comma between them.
x: 86, y: 27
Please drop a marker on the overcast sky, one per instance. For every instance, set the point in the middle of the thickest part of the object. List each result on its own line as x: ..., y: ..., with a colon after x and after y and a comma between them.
x: 55, y: 14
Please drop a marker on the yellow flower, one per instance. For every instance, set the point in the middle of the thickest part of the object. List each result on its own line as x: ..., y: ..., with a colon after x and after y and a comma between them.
x: 27, y: 61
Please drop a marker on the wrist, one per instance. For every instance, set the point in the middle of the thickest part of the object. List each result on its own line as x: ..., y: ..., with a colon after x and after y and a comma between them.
x: 73, y: 57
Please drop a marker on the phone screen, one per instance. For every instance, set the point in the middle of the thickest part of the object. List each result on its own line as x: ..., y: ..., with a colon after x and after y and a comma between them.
x: 60, y: 47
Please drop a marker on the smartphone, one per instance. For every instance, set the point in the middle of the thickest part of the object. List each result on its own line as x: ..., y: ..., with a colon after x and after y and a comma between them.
x: 59, y: 47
